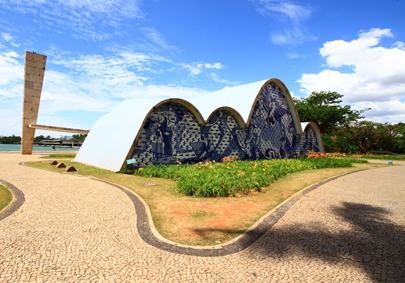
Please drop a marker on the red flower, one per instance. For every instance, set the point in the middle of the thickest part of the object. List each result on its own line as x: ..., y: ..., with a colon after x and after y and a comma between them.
x: 223, y: 185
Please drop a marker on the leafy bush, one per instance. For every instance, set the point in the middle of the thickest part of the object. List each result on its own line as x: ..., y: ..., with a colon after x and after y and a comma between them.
x: 346, y: 146
x: 328, y: 143
x: 232, y: 177
x: 125, y: 170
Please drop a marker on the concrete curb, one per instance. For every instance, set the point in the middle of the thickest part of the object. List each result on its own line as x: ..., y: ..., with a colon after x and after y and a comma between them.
x: 15, y: 204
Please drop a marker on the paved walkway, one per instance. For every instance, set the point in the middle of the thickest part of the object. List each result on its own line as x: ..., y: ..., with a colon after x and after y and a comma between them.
x: 76, y: 229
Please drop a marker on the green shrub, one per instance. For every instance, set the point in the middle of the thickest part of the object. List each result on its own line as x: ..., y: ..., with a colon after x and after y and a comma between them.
x: 328, y: 143
x: 235, y: 177
x: 125, y: 170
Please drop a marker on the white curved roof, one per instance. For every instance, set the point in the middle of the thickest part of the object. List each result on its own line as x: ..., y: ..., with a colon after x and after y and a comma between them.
x: 111, y: 137
x: 240, y: 98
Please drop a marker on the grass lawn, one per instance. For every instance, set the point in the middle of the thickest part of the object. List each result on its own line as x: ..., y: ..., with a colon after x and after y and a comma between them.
x: 5, y: 197
x: 201, y: 221
x: 61, y: 156
x: 365, y: 156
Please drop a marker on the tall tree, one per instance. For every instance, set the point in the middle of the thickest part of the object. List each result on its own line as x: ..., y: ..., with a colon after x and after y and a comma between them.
x: 323, y: 109
x: 366, y: 135
x: 395, y: 143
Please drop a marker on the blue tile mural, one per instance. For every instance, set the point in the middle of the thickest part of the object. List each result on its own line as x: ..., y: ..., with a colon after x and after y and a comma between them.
x: 308, y: 141
x: 172, y: 133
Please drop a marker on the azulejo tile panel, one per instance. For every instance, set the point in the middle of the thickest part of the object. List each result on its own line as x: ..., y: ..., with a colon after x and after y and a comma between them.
x: 171, y: 133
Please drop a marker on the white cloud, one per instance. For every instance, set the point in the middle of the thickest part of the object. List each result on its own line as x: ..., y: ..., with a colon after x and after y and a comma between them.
x: 82, y: 9
x: 214, y: 66
x: 11, y: 54
x: 198, y: 67
x: 378, y: 73
x: 384, y: 108
x: 194, y: 69
x: 91, y: 83
x: 164, y: 91
x: 295, y: 55
x: 155, y: 37
x: 399, y: 45
x: 97, y: 83
x: 291, y: 17
x: 386, y: 111
x: 113, y: 70
x: 80, y: 17
x: 355, y: 52
x: 11, y: 71
x: 217, y: 79
x: 6, y: 36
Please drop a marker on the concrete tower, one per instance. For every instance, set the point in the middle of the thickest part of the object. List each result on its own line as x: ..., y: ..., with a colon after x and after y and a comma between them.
x: 33, y: 79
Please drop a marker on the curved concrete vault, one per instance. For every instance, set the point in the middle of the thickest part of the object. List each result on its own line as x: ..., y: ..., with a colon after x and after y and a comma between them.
x: 153, y: 132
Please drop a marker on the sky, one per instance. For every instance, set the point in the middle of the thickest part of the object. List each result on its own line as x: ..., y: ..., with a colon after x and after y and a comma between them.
x: 101, y: 52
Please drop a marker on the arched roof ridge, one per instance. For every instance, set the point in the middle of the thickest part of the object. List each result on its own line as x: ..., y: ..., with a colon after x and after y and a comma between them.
x: 233, y: 112
x: 318, y: 134
x: 185, y: 103
x: 290, y: 102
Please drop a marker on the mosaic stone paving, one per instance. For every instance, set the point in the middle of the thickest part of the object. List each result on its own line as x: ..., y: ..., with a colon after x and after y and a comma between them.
x: 75, y: 229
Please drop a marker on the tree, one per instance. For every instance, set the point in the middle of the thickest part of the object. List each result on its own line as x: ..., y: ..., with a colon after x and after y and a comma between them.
x: 328, y: 143
x: 395, y: 143
x: 10, y: 140
x: 367, y: 135
x: 79, y: 137
x: 323, y: 109
x: 39, y: 138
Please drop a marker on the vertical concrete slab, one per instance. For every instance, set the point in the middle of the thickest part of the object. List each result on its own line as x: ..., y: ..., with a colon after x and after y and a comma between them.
x: 33, y: 79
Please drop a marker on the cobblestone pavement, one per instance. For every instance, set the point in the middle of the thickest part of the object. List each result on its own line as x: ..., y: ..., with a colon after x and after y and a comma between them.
x: 74, y: 229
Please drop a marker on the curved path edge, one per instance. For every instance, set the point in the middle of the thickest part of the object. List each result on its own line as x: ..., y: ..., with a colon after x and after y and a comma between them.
x: 149, y: 234
x: 16, y: 202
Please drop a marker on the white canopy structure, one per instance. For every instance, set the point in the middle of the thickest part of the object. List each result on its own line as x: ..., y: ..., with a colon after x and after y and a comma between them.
x: 112, y: 138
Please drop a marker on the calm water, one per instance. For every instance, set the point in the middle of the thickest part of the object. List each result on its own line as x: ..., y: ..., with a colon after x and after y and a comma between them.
x: 17, y: 147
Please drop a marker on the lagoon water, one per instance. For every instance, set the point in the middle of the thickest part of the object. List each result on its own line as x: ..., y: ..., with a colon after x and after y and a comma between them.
x: 17, y: 147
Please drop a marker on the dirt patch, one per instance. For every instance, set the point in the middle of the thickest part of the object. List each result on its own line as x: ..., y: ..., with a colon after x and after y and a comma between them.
x: 178, y: 210
x: 286, y: 193
x: 178, y: 213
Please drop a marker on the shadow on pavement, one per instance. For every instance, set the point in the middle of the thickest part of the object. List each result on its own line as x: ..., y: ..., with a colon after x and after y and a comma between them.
x: 374, y: 243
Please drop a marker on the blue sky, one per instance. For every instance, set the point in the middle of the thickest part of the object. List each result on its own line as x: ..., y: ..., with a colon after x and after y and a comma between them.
x: 101, y: 52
